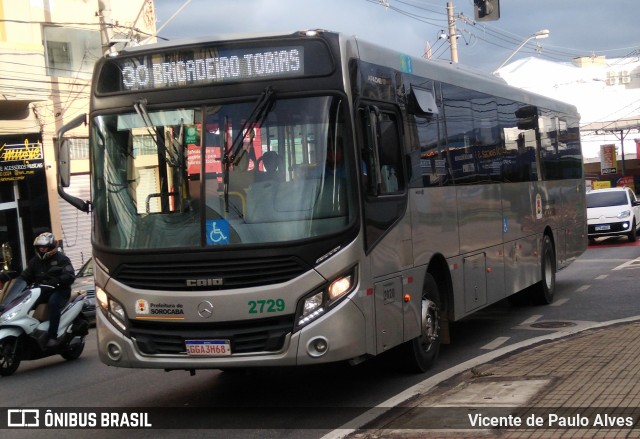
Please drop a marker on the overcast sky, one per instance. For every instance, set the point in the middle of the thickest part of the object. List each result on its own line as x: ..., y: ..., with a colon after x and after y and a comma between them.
x: 577, y: 27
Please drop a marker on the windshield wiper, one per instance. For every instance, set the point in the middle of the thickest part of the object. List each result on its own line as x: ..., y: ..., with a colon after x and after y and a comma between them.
x: 235, y: 152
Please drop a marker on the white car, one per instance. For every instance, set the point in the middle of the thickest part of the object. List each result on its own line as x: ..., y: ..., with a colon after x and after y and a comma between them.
x: 613, y: 212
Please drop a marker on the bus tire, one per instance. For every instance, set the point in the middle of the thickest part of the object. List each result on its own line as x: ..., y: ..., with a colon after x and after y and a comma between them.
x: 419, y: 354
x: 545, y: 289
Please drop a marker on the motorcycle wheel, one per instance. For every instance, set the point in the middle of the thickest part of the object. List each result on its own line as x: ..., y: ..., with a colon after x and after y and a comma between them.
x: 9, y: 356
x: 73, y: 352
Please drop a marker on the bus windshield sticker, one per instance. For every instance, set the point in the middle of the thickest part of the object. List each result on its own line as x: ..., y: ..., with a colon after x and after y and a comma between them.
x: 217, y: 232
x: 153, y: 119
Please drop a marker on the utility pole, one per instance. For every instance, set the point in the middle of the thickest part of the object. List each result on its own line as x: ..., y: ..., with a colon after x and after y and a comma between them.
x: 106, y: 30
x: 453, y: 41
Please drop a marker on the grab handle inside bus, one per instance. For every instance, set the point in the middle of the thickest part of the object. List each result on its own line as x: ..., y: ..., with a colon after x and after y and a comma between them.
x: 374, y: 126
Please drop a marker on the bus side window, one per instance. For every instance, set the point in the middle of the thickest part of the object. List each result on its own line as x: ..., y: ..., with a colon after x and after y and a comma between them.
x: 381, y: 153
x: 389, y: 152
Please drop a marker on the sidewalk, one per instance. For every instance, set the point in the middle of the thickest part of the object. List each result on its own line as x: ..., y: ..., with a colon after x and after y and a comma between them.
x: 584, y: 385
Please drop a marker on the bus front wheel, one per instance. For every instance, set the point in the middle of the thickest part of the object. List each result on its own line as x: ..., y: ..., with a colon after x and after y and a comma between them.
x: 545, y: 289
x: 421, y: 353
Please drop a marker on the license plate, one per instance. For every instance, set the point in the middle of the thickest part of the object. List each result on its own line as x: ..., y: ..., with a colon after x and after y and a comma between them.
x: 208, y: 348
x: 603, y: 227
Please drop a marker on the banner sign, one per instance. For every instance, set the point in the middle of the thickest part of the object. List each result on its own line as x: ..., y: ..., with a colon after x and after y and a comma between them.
x: 21, y: 157
x: 608, y: 161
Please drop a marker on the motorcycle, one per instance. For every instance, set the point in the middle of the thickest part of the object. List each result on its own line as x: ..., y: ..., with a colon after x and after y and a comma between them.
x: 24, y: 325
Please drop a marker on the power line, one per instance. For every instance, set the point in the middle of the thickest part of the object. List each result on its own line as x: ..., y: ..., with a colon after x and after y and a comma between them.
x: 489, y: 34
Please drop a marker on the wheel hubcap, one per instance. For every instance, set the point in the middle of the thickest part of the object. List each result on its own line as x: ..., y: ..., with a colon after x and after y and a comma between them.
x: 430, y: 323
x: 548, y: 271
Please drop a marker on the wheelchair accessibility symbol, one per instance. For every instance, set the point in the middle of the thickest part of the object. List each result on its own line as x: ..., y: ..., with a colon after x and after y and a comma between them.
x: 217, y: 232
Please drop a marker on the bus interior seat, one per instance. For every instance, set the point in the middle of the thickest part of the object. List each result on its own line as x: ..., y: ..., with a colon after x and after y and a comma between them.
x: 295, y: 200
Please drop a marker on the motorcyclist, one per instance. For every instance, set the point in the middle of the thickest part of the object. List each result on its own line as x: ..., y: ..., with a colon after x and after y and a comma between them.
x: 50, y: 267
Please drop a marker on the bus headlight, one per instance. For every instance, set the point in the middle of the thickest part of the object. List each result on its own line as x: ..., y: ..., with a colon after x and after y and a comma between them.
x: 340, y: 287
x: 317, y: 303
x: 112, y: 309
x: 313, y: 303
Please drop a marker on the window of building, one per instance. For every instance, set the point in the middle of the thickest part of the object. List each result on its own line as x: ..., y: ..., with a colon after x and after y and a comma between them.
x: 78, y: 148
x: 71, y: 52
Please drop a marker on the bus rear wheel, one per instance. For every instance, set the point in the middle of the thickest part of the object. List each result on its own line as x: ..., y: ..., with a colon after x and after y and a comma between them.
x: 419, y: 354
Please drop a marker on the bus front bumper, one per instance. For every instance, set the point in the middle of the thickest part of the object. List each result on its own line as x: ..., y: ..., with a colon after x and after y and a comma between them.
x: 337, y: 336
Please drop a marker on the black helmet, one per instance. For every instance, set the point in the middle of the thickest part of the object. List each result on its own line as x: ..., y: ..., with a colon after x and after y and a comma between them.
x: 45, y: 245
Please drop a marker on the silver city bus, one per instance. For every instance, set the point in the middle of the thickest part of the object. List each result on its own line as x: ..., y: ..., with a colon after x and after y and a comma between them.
x: 308, y: 198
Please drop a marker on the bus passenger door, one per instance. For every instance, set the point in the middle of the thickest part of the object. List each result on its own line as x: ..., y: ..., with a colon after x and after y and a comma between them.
x: 387, y: 228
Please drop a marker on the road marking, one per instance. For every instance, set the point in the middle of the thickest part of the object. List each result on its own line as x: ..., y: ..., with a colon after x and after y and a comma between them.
x: 602, y: 276
x: 495, y: 343
x: 629, y: 265
x: 531, y: 320
x: 583, y: 288
x: 559, y: 302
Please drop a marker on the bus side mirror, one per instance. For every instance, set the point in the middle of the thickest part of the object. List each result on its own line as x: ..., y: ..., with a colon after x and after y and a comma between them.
x: 64, y: 164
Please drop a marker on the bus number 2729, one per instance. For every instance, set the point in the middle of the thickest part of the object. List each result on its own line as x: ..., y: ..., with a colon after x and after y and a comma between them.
x: 265, y: 306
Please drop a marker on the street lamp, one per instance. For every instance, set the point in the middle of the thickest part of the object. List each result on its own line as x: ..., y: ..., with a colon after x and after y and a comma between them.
x: 541, y: 34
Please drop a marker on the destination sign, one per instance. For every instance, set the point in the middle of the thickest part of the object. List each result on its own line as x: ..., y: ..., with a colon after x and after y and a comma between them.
x: 203, y: 66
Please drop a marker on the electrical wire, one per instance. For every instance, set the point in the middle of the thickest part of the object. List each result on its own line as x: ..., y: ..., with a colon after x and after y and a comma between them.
x: 492, y: 35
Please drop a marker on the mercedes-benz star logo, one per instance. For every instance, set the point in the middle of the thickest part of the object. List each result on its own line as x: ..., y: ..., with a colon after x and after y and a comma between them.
x: 205, y: 309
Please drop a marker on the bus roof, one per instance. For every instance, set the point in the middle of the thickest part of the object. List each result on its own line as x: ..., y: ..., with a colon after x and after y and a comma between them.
x: 439, y: 70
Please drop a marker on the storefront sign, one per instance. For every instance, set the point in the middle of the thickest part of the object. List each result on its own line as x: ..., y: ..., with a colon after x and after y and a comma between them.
x: 20, y: 158
x: 608, y: 162
x: 625, y: 182
x: 601, y: 184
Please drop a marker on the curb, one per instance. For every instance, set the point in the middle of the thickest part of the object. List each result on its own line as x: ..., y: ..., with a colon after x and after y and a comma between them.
x: 429, y: 383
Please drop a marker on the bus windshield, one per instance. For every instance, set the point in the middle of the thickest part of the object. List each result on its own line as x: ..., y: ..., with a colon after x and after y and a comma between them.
x: 213, y: 175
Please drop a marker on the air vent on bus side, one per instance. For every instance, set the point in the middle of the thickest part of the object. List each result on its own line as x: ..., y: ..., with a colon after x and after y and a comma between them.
x: 209, y: 275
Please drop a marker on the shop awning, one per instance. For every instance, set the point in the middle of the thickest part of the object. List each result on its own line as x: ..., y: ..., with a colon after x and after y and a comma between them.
x: 17, y: 117
x: 629, y: 123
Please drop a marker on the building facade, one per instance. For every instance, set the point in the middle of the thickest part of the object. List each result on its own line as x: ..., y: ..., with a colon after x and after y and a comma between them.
x: 47, y: 52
